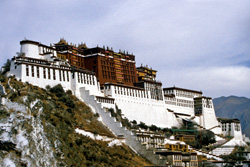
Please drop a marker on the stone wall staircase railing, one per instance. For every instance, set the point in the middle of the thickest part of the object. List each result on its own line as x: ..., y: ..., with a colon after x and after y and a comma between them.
x: 118, y: 130
x: 221, y: 147
x: 209, y: 155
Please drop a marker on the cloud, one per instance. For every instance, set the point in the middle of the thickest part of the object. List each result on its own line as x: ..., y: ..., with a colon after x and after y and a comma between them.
x: 213, y: 81
x: 177, y: 38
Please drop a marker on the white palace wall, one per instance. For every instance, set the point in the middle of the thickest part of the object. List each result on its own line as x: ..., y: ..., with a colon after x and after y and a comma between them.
x: 136, y: 104
x: 209, y: 118
x: 88, y: 81
x: 30, y: 50
x: 29, y: 70
x: 180, y: 109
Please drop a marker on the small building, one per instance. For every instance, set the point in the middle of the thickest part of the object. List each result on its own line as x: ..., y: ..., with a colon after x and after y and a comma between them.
x: 245, y: 154
x: 150, y: 139
x: 185, y: 138
x: 179, y: 158
x: 145, y: 73
x: 71, y: 53
x: 178, y: 153
x: 230, y: 127
x: 180, y: 100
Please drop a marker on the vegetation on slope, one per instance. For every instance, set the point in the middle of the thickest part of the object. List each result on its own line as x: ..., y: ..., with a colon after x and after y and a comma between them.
x: 202, y: 139
x: 61, y: 113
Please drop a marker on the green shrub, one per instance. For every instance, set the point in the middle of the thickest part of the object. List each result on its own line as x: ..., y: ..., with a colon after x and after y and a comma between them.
x: 96, y: 115
x: 143, y: 125
x: 3, y: 78
x: 58, y: 90
x: 67, y: 101
x: 134, y: 122
x: 4, y: 113
x: 203, y: 138
x: 13, y: 96
x: 48, y: 87
x: 69, y: 92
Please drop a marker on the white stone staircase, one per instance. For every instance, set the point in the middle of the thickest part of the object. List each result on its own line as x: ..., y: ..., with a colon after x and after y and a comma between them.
x: 119, y: 130
x: 207, y: 154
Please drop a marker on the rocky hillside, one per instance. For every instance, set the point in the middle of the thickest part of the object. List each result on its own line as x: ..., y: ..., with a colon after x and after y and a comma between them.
x: 38, y: 128
x: 234, y: 107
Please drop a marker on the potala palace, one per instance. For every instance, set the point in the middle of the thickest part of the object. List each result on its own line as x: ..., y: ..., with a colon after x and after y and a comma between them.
x: 105, y: 79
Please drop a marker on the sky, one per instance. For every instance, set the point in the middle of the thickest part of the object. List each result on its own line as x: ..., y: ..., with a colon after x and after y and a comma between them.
x: 201, y: 45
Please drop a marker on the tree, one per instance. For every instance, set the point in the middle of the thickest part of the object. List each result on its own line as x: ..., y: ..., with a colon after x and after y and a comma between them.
x: 6, y: 67
x: 153, y: 128
x: 143, y: 125
x: 134, y: 122
x: 58, y: 90
x: 203, y: 137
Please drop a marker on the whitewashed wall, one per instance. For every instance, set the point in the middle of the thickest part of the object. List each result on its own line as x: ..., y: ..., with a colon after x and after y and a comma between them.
x: 141, y: 108
x: 180, y: 109
x: 30, y: 50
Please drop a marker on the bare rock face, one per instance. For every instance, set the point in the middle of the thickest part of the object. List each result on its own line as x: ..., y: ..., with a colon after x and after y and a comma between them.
x: 22, y: 137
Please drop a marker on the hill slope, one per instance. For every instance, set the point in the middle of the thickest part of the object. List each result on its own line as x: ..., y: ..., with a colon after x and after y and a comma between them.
x: 38, y: 129
x: 234, y: 107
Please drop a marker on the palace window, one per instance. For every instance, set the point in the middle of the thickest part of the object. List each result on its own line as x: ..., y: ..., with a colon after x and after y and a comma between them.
x: 63, y: 75
x: 37, y: 72
x: 93, y: 80
x: 237, y: 127
x: 67, y: 75
x: 54, y: 74
x: 87, y: 79
x: 84, y: 78
x: 78, y: 77
x: 32, y: 71
x: 48, y: 73
x: 44, y: 72
x: 27, y: 70
x: 90, y: 80
x: 60, y: 75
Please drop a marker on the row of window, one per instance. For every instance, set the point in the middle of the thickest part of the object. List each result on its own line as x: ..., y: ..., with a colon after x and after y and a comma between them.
x: 171, y: 103
x: 47, y: 73
x: 180, y: 102
x: 184, y: 95
x: 193, y: 157
x: 102, y: 100
x: 62, y: 75
x: 130, y: 92
x: 86, y: 79
x: 177, y: 157
x: 108, y: 63
x: 187, y: 93
x: 185, y: 105
x: 227, y: 126
x: 150, y: 139
x: 177, y: 163
x: 155, y: 93
x: 108, y: 68
x: 44, y: 50
x: 185, y: 101
x: 193, y: 164
x: 170, y: 99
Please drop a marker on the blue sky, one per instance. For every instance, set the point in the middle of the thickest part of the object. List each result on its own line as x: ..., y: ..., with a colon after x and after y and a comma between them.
x: 194, y: 44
